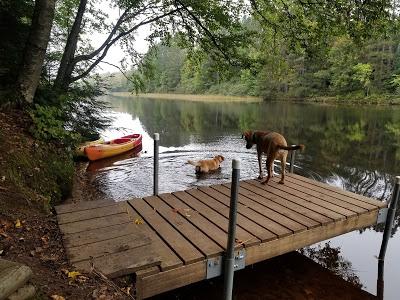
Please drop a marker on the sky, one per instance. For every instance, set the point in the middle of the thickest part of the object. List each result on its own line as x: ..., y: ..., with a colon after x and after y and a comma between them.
x: 115, y: 53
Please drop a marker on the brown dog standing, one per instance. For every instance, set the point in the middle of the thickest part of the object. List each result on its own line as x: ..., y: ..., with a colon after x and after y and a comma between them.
x: 206, y: 165
x: 274, y: 146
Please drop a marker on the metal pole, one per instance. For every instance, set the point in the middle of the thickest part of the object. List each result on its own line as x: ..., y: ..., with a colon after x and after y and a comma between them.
x: 390, y: 217
x: 386, y: 235
x: 292, y: 155
x: 230, y: 248
x: 156, y: 138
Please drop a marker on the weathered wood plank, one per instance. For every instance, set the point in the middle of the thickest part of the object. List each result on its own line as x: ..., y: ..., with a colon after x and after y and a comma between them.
x: 123, y: 263
x: 202, y: 242
x: 90, y: 224
x: 305, y: 210
x: 99, y: 234
x: 276, y: 191
x: 305, y: 238
x: 269, y: 225
x: 169, y: 280
x: 67, y: 208
x: 323, y: 203
x: 98, y: 212
x: 241, y: 220
x: 326, y: 190
x: 325, y: 197
x: 210, y: 229
x: 182, y: 247
x: 169, y: 259
x: 268, y: 215
x: 339, y: 190
x: 216, y: 218
x: 278, y: 207
x: 109, y: 246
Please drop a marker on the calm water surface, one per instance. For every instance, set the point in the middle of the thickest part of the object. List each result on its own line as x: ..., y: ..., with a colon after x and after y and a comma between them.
x: 354, y: 148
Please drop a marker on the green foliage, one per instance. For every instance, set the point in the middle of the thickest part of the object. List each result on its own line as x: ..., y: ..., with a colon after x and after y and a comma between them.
x: 362, y: 74
x: 72, y: 116
x: 48, y: 125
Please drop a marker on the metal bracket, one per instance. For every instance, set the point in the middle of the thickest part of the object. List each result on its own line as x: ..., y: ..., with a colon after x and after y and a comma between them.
x: 215, y: 264
x: 382, y: 215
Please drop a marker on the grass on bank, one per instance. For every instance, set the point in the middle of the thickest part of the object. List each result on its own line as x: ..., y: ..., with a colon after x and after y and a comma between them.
x: 347, y: 100
x: 32, y: 172
x: 190, y: 97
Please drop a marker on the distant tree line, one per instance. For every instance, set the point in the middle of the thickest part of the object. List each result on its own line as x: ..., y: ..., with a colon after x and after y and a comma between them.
x: 338, y: 66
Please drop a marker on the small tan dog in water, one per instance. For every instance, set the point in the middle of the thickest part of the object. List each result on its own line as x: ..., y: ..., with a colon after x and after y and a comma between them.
x: 206, y: 165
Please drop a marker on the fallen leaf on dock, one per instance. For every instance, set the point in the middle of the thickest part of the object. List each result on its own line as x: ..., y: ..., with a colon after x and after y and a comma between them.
x: 57, y: 297
x: 138, y: 221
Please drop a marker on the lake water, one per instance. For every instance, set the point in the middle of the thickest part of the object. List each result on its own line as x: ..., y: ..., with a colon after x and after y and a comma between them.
x: 354, y: 148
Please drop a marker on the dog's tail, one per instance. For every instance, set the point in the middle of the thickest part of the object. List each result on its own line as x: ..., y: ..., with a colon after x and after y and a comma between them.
x: 194, y: 163
x: 294, y: 147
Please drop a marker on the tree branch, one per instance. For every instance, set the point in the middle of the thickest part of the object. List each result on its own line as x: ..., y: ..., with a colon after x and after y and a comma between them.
x: 210, y: 35
x: 112, y: 42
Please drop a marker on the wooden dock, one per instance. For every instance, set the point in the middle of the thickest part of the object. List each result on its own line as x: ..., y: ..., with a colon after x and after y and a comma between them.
x: 176, y: 239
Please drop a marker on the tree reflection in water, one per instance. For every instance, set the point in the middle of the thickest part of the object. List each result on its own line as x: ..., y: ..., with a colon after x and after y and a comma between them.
x: 330, y: 258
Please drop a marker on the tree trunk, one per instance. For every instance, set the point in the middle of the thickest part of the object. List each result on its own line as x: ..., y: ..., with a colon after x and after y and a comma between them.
x: 35, y: 50
x: 66, y: 68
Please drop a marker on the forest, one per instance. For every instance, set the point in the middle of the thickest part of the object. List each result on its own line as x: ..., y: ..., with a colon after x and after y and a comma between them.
x: 306, y: 60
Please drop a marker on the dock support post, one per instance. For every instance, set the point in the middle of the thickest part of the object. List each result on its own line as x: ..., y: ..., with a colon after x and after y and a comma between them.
x: 230, y: 248
x: 292, y: 156
x: 156, y: 138
x: 386, y: 235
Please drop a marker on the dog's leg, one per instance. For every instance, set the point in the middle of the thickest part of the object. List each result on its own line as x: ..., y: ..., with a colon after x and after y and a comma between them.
x: 283, y: 168
x: 270, y: 163
x: 260, y: 166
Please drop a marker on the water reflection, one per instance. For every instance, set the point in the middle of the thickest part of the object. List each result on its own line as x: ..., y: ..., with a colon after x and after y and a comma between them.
x: 330, y: 258
x: 354, y: 148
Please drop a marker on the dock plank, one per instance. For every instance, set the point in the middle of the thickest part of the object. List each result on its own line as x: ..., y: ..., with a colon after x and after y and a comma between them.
x: 267, y: 250
x: 313, y: 206
x: 287, y: 188
x: 325, y: 197
x: 182, y: 247
x: 339, y: 190
x: 99, y: 234
x: 90, y: 224
x: 301, y: 207
x: 169, y: 259
x: 268, y: 225
x: 322, y: 191
x: 108, y: 246
x: 203, y: 243
x: 210, y: 229
x: 116, y: 208
x: 72, y: 207
x: 241, y: 220
x: 268, y: 215
x: 278, y: 207
x: 245, y: 237
x: 122, y: 263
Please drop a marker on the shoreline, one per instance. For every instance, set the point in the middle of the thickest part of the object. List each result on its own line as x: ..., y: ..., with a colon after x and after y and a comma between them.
x: 189, y: 97
x: 329, y: 100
